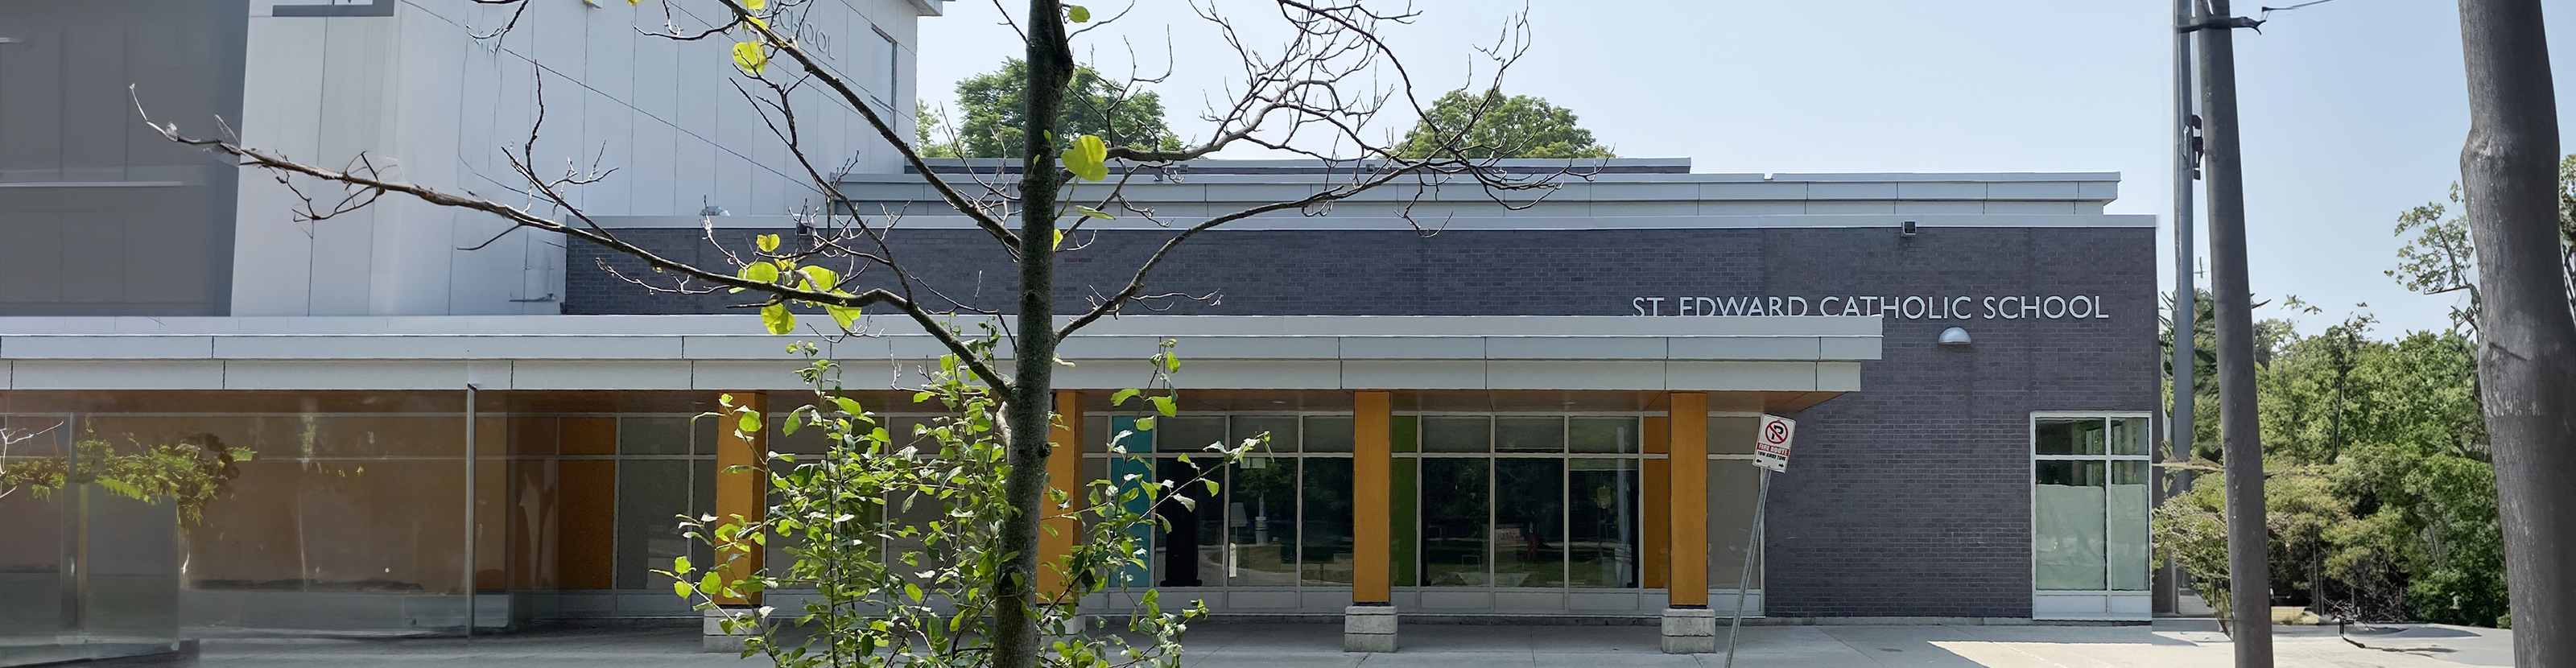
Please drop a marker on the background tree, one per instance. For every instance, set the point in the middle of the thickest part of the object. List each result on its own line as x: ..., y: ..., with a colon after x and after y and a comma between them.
x: 1314, y: 93
x: 995, y: 108
x: 1498, y: 126
x: 2442, y: 258
x: 2381, y: 496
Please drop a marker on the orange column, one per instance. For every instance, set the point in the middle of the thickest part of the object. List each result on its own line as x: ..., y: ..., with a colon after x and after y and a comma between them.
x: 1372, y: 478
x: 1061, y: 529
x: 1688, y: 488
x: 1656, y: 506
x: 742, y: 477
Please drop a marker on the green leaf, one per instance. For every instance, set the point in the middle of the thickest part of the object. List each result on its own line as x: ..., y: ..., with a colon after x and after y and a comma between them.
x: 1144, y: 424
x: 777, y: 319
x: 848, y: 405
x: 788, y: 428
x: 752, y: 57
x: 1088, y: 158
x: 750, y: 423
x: 819, y: 279
x: 1078, y: 13
x: 842, y: 315
x: 768, y: 242
x: 680, y: 565
x: 912, y: 590
x: 1059, y: 240
x: 682, y: 589
x: 1093, y: 213
x: 712, y: 583
x: 1121, y: 396
x: 1164, y: 405
x: 759, y: 271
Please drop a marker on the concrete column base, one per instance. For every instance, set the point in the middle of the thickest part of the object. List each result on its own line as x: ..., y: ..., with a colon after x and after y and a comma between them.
x: 1368, y: 628
x: 712, y: 635
x: 1690, y: 630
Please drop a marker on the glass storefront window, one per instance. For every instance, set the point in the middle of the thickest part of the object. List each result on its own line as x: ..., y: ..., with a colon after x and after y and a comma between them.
x: 1324, y: 539
x: 2089, y: 503
x: 1529, y: 522
x: 1597, y: 435
x: 1457, y: 434
x: 1602, y: 522
x: 1454, y: 511
x: 1527, y: 434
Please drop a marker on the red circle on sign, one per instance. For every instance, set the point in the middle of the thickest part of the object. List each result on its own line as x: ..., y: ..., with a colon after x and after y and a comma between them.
x: 1775, y: 433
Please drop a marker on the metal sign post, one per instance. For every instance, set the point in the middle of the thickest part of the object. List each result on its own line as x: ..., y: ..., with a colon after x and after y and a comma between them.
x: 1771, y: 453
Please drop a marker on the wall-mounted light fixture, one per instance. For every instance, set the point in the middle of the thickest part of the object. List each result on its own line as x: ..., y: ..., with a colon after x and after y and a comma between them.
x: 1906, y: 230
x: 1955, y: 337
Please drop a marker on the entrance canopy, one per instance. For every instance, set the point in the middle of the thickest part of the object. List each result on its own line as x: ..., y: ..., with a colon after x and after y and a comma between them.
x: 1464, y: 362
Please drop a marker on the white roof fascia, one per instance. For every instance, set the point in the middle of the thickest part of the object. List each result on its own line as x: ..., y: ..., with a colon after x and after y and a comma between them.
x: 1802, y: 354
x: 1291, y: 221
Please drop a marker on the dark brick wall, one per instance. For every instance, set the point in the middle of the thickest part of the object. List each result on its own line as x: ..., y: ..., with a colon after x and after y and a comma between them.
x: 1908, y: 498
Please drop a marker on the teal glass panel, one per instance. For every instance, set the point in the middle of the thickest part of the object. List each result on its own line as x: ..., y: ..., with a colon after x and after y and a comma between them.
x: 1128, y: 471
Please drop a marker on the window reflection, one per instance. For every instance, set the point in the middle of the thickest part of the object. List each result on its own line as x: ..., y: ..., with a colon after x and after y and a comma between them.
x: 1602, y: 522
x: 1529, y: 523
x: 1454, y: 513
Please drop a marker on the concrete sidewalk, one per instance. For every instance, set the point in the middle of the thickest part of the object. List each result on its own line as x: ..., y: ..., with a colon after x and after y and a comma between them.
x: 1248, y: 645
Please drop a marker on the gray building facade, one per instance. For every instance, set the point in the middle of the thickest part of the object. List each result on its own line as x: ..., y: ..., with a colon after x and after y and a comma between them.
x: 1911, y: 497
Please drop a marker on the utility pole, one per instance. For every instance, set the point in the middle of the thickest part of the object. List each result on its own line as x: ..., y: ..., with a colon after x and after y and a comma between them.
x: 2249, y: 575
x: 2527, y: 338
x: 2178, y: 429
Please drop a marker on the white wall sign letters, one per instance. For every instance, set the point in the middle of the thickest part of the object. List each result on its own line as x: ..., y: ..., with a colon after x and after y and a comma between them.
x: 1908, y: 307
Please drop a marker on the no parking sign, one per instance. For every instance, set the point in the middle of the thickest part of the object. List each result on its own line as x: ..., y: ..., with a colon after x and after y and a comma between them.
x: 1771, y: 443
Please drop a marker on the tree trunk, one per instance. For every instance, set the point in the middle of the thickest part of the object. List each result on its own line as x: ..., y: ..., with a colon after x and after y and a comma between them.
x: 1032, y: 396
x: 2527, y: 357
x: 2249, y: 573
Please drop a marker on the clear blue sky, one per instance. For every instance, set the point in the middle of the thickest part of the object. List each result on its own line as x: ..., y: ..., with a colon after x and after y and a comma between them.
x: 2353, y: 110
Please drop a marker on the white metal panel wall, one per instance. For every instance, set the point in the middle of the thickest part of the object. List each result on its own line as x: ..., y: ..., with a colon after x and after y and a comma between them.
x: 415, y: 90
